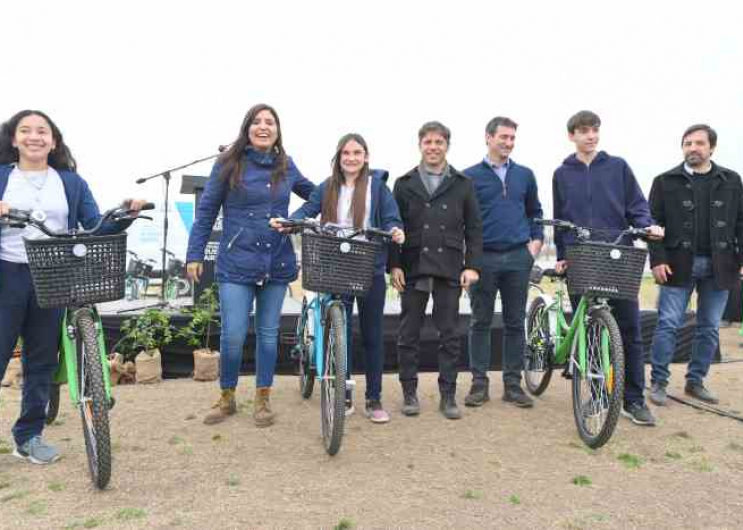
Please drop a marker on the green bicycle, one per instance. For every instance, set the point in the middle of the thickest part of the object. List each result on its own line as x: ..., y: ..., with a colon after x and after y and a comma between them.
x: 75, y: 269
x: 589, y: 348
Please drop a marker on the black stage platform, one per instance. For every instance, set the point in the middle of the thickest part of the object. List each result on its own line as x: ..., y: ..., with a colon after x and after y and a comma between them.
x: 178, y: 359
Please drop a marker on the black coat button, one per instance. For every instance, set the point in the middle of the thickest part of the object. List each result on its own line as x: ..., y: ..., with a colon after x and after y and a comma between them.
x: 444, y: 206
x: 717, y: 204
x: 686, y: 244
x: 428, y: 205
x: 689, y: 205
x: 425, y: 227
x: 721, y: 224
x: 722, y: 244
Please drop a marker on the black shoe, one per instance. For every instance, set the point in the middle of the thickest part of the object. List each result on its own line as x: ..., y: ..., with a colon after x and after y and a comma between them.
x: 410, y: 405
x: 514, y: 394
x: 448, y: 407
x: 697, y: 390
x: 639, y: 414
x: 479, y: 394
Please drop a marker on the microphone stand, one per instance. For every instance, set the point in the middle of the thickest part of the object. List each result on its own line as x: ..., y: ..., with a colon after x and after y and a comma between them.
x: 166, y: 175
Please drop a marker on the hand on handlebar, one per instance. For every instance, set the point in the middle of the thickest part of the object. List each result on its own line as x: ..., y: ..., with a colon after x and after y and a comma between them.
x: 398, y: 236
x: 655, y: 233
x: 561, y: 266
x: 4, y: 208
x: 135, y: 205
x: 276, y: 224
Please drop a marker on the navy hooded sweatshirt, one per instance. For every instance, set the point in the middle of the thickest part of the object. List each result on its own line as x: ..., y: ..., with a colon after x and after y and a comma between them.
x: 603, y: 195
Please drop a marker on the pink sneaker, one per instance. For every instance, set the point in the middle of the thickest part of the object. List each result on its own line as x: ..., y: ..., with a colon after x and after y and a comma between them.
x: 375, y: 412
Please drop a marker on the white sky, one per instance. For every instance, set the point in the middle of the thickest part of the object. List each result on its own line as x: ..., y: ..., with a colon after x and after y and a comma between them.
x: 141, y: 86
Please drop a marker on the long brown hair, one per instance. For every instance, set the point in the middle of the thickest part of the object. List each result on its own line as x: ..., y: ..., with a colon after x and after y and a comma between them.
x: 337, y: 179
x: 233, y: 159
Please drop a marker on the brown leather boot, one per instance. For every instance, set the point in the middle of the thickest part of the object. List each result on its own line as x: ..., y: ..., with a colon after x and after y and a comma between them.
x: 226, y: 406
x: 262, y: 414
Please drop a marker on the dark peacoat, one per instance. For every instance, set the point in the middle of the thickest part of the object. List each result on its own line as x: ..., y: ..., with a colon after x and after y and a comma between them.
x: 672, y: 206
x: 443, y: 231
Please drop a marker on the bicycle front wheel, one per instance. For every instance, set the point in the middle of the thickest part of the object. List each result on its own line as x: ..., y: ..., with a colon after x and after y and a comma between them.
x: 93, y: 403
x: 304, y: 350
x: 333, y: 383
x: 539, y: 348
x: 598, y: 393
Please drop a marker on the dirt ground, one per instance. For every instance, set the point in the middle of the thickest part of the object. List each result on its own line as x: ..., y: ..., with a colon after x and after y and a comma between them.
x: 499, y: 467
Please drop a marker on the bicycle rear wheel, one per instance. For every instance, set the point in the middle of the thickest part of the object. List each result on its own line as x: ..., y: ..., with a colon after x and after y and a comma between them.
x: 539, y: 348
x: 304, y: 350
x: 333, y: 383
x: 598, y: 393
x: 93, y: 403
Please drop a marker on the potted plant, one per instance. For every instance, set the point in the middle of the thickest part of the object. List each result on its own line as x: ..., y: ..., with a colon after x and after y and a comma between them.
x: 145, y: 335
x: 204, y: 316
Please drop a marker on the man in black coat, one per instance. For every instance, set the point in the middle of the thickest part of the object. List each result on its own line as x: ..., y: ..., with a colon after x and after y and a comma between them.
x: 441, y: 255
x: 701, y: 206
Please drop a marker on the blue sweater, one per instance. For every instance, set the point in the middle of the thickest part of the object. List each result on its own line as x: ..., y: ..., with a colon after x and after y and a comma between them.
x: 507, y: 214
x: 249, y: 250
x: 385, y: 214
x: 83, y: 210
x: 604, y: 195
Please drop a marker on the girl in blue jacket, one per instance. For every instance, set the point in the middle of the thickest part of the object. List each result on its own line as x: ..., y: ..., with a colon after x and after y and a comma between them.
x: 251, y: 182
x: 37, y: 172
x: 354, y: 196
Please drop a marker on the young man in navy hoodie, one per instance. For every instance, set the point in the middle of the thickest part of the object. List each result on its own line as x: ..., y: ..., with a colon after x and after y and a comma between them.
x: 509, y: 203
x: 596, y: 190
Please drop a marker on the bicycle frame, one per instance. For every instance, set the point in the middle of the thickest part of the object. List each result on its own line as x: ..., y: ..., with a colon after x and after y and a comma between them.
x: 565, y: 334
x: 68, y: 370
x: 319, y: 305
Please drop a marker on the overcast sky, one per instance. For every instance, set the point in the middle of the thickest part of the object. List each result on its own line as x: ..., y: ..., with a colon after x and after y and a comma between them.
x: 141, y: 86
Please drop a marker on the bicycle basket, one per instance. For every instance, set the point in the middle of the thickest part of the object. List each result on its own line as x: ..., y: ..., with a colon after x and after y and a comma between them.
x: 337, y: 265
x: 614, y: 271
x: 76, y: 271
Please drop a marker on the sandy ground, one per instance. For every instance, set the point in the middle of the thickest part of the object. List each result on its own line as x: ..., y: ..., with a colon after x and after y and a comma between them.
x: 499, y: 467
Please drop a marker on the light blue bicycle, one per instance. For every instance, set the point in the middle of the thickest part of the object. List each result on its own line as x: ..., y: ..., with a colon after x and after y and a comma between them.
x: 332, y: 266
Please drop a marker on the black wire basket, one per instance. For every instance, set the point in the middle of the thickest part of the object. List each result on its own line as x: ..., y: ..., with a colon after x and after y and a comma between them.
x: 613, y: 271
x: 68, y: 272
x: 337, y: 265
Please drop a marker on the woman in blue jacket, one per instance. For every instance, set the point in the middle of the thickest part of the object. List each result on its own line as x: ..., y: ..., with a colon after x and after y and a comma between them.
x: 37, y: 172
x: 354, y: 196
x: 251, y: 182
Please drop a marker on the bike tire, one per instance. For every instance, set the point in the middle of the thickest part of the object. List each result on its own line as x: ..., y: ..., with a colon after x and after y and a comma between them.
x: 333, y: 383
x: 597, y: 400
x: 304, y: 349
x: 93, y: 403
x: 52, y: 408
x: 539, y: 348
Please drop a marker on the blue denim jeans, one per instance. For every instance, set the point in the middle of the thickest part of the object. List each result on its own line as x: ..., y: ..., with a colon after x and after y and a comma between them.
x: 371, y: 315
x: 236, y: 305
x: 20, y: 315
x: 507, y: 272
x: 671, y: 310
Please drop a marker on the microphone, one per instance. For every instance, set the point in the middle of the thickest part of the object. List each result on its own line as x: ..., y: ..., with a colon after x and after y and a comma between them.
x: 140, y: 181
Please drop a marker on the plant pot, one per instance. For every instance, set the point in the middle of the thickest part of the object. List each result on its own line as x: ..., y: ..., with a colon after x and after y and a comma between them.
x: 122, y: 373
x: 149, y: 367
x: 205, y: 365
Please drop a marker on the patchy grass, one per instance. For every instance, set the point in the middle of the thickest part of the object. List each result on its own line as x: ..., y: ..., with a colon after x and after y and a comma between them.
x: 673, y: 455
x: 128, y: 514
x: 216, y: 437
x: 581, y: 480
x: 630, y: 461
x: 344, y: 524
x: 93, y: 522
x: 36, y: 508
x: 702, y: 466
x: 473, y: 494
x: 696, y: 449
x: 514, y: 499
x: 733, y: 446
x: 176, y: 440
x: 56, y: 486
x: 4, y: 484
x: 14, y: 496
x: 233, y: 481
x: 681, y: 434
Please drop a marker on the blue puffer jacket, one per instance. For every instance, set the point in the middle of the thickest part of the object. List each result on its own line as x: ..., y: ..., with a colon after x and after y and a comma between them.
x: 83, y: 210
x: 385, y: 215
x: 249, y: 251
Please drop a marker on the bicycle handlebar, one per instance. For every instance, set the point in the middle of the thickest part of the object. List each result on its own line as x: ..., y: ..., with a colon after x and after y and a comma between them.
x: 21, y: 218
x: 584, y: 233
x: 329, y: 228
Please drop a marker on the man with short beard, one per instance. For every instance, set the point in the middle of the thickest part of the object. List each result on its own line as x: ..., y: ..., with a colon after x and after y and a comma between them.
x: 701, y: 206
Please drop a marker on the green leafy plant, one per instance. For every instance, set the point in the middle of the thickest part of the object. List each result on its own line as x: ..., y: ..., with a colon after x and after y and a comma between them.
x: 147, y: 332
x: 203, y: 317
x: 581, y: 480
